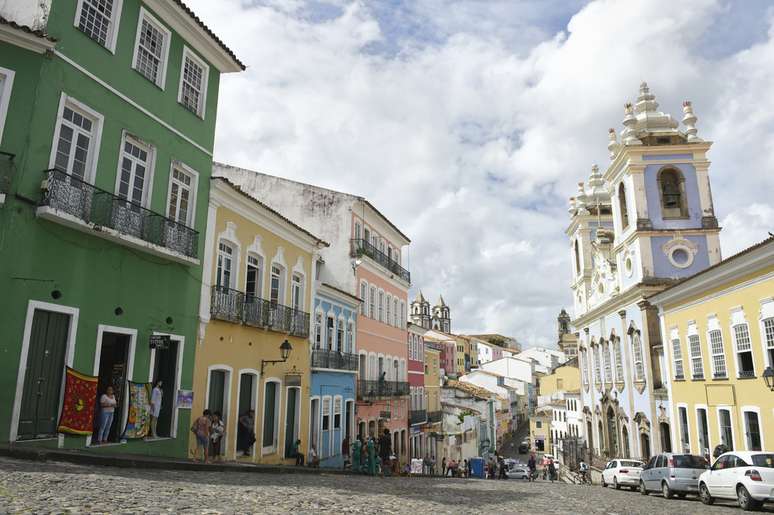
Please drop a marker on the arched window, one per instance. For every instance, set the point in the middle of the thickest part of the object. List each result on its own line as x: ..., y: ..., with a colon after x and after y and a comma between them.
x: 671, y: 185
x: 622, y: 206
x: 577, y: 258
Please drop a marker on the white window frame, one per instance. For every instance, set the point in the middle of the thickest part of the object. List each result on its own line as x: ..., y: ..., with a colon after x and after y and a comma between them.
x: 738, y: 352
x: 683, y: 431
x: 318, y: 329
x: 5, y: 96
x: 330, y: 332
x: 261, y: 269
x: 97, y: 121
x: 364, y: 298
x: 187, y: 52
x: 380, y: 306
x: 149, y: 172
x: 761, y: 432
x: 297, y: 285
x: 696, y: 357
x: 402, y: 315
x: 341, y: 334
x: 677, y: 357
x: 271, y: 449
x: 350, y: 337
x: 607, y: 361
x: 714, y: 325
x: 232, y: 270
x: 161, y: 78
x: 179, y: 165
x: 281, y: 282
x: 766, y: 313
x: 387, y: 310
x: 395, y: 314
x: 372, y: 302
x: 115, y: 24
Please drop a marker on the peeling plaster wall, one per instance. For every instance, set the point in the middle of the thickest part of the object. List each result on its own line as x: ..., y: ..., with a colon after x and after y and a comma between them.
x: 32, y: 13
x: 326, y: 214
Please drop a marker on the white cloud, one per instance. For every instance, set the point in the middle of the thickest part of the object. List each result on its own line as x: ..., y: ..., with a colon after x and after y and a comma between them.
x: 472, y: 133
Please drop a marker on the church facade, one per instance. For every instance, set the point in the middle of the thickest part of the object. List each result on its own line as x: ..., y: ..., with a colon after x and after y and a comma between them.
x: 636, y: 228
x: 438, y: 318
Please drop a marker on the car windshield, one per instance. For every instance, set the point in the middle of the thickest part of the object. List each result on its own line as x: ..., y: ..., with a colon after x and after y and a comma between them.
x: 689, y: 462
x: 763, y: 460
x: 631, y: 464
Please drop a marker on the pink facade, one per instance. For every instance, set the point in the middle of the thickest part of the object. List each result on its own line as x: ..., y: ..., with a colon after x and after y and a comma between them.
x: 381, y: 336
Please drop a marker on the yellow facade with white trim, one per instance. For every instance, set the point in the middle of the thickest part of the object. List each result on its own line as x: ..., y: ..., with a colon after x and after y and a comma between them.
x: 729, y: 301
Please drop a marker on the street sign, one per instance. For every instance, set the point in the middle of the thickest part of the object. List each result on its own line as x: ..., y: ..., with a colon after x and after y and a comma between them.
x: 159, y: 341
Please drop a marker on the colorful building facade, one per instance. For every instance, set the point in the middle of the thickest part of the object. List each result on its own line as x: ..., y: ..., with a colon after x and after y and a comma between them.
x: 719, y: 326
x: 334, y: 374
x: 256, y: 295
x: 111, y: 137
x: 635, y: 229
x: 417, y: 393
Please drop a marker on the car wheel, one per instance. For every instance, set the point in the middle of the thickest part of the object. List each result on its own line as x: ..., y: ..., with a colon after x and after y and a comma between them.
x: 746, y: 502
x: 643, y: 490
x: 704, y: 494
x: 604, y: 485
x: 666, y: 491
x: 615, y: 483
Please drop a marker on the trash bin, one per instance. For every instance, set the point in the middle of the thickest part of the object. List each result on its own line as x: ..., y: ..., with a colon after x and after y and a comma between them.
x: 476, y: 467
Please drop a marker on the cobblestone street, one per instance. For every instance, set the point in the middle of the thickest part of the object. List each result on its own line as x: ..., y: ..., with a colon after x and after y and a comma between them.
x: 66, y: 488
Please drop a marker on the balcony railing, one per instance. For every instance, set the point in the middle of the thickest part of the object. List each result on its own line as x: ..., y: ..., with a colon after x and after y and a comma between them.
x: 76, y: 197
x: 322, y: 358
x: 370, y: 389
x: 747, y: 373
x: 234, y: 306
x: 364, y: 247
x: 417, y: 416
x: 434, y: 416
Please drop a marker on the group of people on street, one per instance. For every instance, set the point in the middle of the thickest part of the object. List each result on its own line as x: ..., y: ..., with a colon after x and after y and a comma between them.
x: 371, y: 456
x: 107, y: 410
x: 209, y: 430
x: 548, y: 467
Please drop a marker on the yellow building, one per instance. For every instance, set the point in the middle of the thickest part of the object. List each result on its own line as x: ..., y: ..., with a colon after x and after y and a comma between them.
x: 718, y: 327
x: 433, y: 395
x: 256, y: 294
x: 562, y: 379
x: 462, y: 356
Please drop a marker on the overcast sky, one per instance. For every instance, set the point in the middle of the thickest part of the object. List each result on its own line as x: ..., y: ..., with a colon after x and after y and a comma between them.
x: 468, y: 123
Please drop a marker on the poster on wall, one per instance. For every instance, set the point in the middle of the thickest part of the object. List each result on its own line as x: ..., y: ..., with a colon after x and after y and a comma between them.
x: 80, y: 398
x: 138, y: 419
x: 416, y: 466
x: 185, y: 399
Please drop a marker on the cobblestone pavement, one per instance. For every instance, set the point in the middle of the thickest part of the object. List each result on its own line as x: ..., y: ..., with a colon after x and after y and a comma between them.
x: 66, y: 488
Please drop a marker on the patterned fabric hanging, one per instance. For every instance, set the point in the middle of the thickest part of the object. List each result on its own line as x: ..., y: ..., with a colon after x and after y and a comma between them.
x: 138, y: 419
x: 79, y: 403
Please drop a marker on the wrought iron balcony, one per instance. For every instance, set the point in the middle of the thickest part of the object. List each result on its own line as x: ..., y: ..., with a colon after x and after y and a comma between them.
x: 234, y: 306
x: 747, y: 373
x: 101, y: 210
x: 360, y: 247
x: 434, y: 416
x: 323, y: 358
x: 417, y: 417
x: 6, y: 172
x: 227, y: 304
x: 374, y: 389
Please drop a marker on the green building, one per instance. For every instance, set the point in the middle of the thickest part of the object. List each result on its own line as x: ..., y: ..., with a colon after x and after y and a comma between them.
x: 107, y: 123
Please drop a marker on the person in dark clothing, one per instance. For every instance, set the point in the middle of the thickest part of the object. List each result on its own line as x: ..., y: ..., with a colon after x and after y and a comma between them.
x: 532, y: 466
x: 385, y: 449
x: 501, y: 468
x: 552, y: 470
x: 443, y: 466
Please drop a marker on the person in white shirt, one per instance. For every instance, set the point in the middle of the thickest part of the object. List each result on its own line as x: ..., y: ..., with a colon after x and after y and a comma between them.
x: 107, y: 408
x: 155, y: 405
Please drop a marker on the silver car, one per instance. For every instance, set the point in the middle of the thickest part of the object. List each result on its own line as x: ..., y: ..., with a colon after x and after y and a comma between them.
x: 672, y: 474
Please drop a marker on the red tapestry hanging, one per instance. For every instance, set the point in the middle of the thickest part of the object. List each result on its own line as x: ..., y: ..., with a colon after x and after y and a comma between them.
x: 79, y: 402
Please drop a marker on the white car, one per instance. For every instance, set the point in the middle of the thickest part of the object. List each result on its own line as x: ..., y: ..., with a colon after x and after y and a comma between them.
x: 517, y: 471
x: 747, y: 477
x: 622, y: 473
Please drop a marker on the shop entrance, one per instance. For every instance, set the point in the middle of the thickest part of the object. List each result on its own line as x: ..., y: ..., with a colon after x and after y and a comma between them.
x: 113, y: 359
x: 165, y: 370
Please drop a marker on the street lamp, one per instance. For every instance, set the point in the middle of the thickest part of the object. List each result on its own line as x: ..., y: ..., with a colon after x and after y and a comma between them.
x: 768, y: 377
x: 285, y: 349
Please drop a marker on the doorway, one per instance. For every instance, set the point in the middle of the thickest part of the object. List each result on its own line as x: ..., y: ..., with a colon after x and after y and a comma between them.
x: 292, y: 419
x: 314, y: 424
x: 113, y: 359
x: 645, y: 446
x: 165, y: 370
x: 42, y: 388
x: 666, y: 437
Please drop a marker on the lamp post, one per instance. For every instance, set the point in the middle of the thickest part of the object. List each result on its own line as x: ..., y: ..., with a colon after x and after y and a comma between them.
x: 285, y: 349
x: 768, y: 377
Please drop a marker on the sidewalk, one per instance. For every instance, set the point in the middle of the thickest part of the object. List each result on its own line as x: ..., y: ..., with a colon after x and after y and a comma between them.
x: 81, y: 457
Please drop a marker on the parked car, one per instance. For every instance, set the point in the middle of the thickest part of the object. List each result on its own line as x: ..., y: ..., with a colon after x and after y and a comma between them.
x: 517, y: 471
x: 672, y: 474
x: 747, y: 477
x: 622, y: 473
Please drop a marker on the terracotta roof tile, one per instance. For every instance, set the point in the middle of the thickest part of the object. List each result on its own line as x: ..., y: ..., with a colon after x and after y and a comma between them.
x: 209, y: 32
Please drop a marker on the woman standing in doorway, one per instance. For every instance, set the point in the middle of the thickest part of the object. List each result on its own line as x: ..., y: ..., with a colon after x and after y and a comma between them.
x: 107, y: 408
x: 156, y: 395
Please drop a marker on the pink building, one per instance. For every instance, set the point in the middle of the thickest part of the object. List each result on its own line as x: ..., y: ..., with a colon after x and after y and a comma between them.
x: 417, y: 395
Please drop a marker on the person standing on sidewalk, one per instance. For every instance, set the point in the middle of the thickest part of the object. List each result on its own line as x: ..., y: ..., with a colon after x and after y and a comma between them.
x: 155, y: 404
x: 385, y: 449
x: 201, y: 428
x: 443, y: 466
x: 107, y: 408
x: 532, y: 466
x: 217, y: 431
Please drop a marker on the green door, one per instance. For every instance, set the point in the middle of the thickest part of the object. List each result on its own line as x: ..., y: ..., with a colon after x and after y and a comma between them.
x: 43, y: 377
x: 290, y: 421
x: 217, y: 391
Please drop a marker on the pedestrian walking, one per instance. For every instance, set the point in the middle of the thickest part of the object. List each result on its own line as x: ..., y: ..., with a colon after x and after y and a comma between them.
x: 201, y: 428
x: 107, y: 408
x: 443, y: 466
x: 345, y: 451
x: 385, y: 450
x: 155, y: 404
x: 246, y: 432
x: 551, y: 470
x: 314, y: 460
x: 532, y: 466
x: 466, y: 468
x: 298, y: 454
